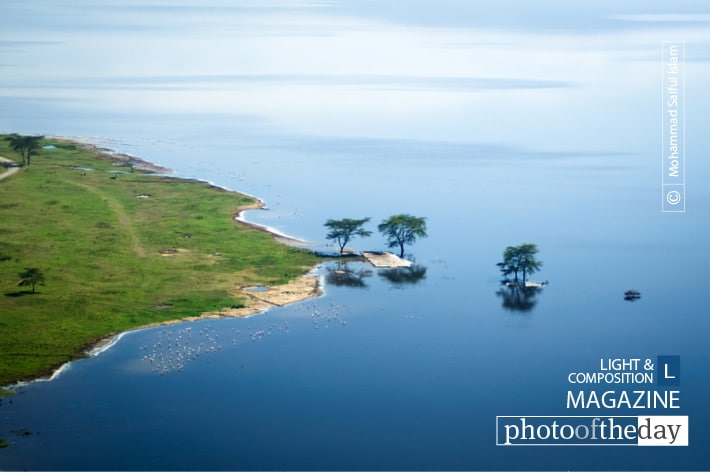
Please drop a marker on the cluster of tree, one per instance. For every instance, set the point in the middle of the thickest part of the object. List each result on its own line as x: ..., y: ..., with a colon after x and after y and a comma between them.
x: 26, y: 146
x: 400, y: 230
x: 519, y: 260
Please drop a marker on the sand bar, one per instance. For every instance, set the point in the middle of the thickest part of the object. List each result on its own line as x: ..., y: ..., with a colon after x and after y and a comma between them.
x: 386, y: 260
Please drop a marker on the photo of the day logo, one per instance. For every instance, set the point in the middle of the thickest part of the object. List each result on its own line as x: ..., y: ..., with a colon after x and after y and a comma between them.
x: 592, y: 430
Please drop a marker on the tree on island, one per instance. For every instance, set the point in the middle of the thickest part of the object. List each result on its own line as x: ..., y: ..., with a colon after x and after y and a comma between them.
x: 32, y: 277
x: 342, y: 231
x: 403, y: 229
x: 519, y: 259
x: 25, y: 145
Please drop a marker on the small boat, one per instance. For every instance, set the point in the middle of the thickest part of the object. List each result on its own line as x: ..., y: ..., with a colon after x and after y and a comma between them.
x: 631, y: 295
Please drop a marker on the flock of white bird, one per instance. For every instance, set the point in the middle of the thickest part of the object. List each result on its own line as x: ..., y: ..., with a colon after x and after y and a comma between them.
x: 176, y: 347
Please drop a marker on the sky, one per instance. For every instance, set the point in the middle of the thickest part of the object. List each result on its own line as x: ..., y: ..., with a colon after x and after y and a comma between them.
x: 510, y: 71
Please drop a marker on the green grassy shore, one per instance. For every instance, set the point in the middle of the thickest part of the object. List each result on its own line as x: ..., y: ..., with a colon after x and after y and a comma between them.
x: 119, y: 250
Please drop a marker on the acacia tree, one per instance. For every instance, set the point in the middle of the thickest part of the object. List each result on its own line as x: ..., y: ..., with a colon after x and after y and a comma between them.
x: 510, y: 264
x: 32, y: 277
x: 25, y: 145
x: 17, y: 144
x: 517, y: 259
x: 403, y: 229
x: 31, y: 146
x: 342, y: 231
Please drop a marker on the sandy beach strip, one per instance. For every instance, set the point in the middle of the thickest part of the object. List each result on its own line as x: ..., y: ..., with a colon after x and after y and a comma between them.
x: 256, y: 302
x: 385, y: 260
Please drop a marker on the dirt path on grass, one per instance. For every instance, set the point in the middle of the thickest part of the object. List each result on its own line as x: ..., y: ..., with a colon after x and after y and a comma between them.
x: 8, y: 170
x: 123, y: 219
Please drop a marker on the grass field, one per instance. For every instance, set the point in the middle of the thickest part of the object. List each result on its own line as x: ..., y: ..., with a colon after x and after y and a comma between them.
x: 118, y: 251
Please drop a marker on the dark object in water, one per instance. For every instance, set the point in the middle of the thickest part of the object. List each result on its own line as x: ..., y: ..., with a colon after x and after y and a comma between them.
x: 631, y: 295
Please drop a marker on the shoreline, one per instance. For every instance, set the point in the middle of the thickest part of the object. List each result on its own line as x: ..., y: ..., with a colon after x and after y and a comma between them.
x: 302, y: 288
x: 305, y: 287
x: 132, y: 161
x: 278, y: 235
x: 153, y: 168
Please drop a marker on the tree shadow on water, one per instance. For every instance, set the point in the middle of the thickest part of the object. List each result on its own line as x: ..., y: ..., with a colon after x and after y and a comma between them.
x: 343, y: 276
x: 517, y: 298
x: 404, y: 275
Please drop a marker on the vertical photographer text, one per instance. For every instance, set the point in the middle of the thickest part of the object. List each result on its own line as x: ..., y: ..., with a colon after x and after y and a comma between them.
x: 673, y: 126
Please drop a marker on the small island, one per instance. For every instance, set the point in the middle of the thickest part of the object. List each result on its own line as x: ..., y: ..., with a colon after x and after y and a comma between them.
x: 108, y: 243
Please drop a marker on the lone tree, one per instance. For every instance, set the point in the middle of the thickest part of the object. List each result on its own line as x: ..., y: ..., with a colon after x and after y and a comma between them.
x: 32, y: 277
x: 402, y: 229
x: 519, y: 259
x: 342, y: 231
x: 25, y: 145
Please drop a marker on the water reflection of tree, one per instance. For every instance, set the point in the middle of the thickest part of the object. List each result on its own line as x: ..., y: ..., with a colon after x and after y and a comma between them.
x: 518, y: 297
x: 343, y: 276
x: 405, y: 275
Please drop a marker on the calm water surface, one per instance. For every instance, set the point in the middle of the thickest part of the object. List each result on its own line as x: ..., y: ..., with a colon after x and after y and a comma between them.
x: 380, y: 373
x: 377, y: 374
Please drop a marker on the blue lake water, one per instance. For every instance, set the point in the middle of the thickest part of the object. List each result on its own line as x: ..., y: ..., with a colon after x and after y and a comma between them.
x: 303, y: 105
